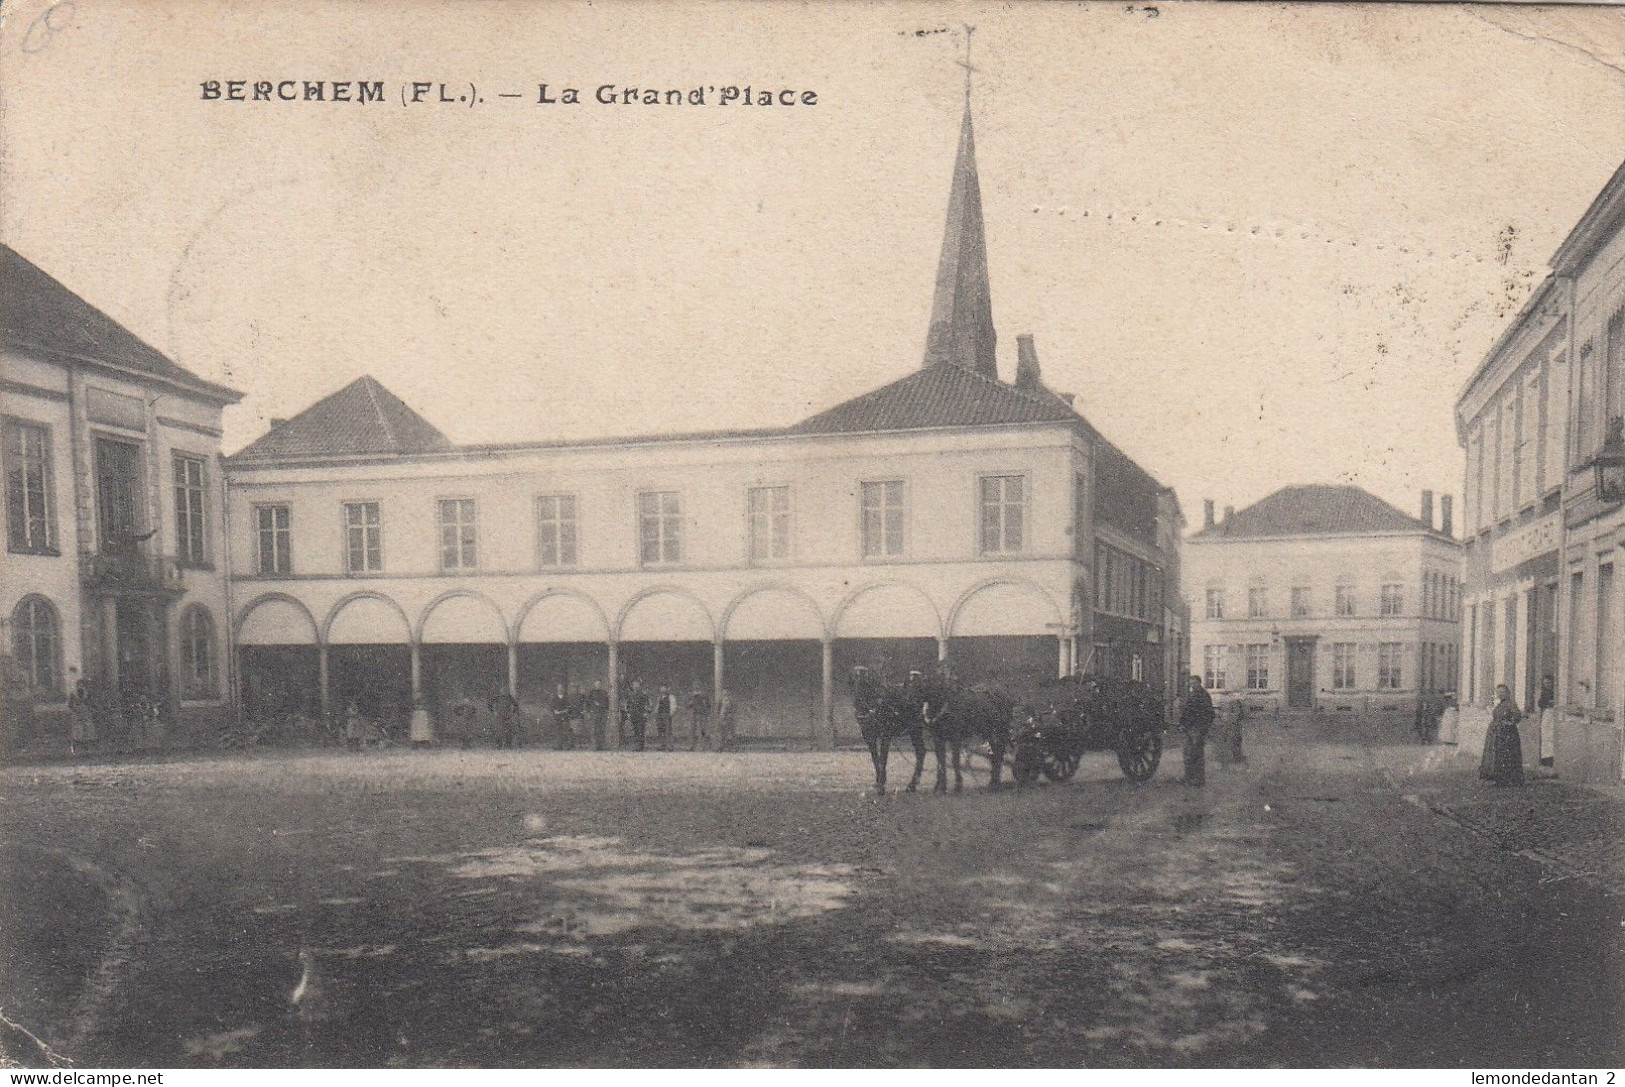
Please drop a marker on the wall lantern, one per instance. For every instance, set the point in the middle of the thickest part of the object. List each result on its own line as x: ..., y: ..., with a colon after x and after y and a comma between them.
x: 1609, y: 463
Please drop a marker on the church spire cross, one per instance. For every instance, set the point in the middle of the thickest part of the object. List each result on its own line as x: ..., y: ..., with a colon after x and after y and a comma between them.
x: 961, y: 332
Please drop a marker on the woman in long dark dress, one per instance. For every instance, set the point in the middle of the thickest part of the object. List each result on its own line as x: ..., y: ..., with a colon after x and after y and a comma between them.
x: 1503, y: 750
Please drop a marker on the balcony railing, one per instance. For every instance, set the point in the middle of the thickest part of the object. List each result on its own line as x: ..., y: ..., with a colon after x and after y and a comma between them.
x: 130, y: 574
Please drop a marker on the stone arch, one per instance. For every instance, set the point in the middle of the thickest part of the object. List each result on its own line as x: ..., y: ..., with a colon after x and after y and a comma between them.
x: 465, y: 594
x: 710, y: 626
x: 350, y: 599
x: 933, y: 628
x: 822, y: 631
x: 265, y: 600
x: 567, y: 594
x: 1050, y: 626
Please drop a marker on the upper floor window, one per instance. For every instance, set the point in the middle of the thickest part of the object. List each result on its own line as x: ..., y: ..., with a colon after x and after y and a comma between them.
x: 1388, y: 666
x: 36, y: 645
x: 1393, y: 599
x: 1003, y: 502
x: 769, y: 513
x: 273, y: 527
x: 1215, y: 603
x: 30, y: 499
x: 1345, y: 599
x: 189, y: 490
x: 1258, y: 604
x: 1343, y: 666
x: 882, y: 518
x: 199, y: 675
x: 660, y: 527
x: 1300, y: 602
x: 459, y: 535
x: 363, y: 538
x: 556, y: 530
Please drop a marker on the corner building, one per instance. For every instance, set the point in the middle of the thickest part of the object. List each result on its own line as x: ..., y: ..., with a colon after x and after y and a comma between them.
x: 948, y: 514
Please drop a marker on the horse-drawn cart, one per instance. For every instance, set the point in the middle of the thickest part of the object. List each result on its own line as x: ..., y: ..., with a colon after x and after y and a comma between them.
x: 1064, y: 719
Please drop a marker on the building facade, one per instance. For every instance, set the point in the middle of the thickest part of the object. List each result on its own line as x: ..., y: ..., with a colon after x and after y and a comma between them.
x: 947, y: 515
x: 1540, y: 421
x: 1325, y: 599
x: 113, y: 569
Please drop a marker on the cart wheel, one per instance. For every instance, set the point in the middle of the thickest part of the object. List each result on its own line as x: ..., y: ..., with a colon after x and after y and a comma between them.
x: 1059, y: 768
x: 1140, y: 755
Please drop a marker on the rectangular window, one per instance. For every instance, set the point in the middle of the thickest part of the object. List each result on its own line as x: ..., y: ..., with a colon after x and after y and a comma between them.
x: 1613, y: 372
x: 1215, y: 603
x: 660, y: 527
x: 882, y: 518
x: 1388, y: 666
x: 1585, y: 404
x: 1343, y: 666
x: 1474, y: 500
x: 1345, y: 600
x: 1258, y: 603
x: 189, y: 489
x: 1003, y: 501
x: 1393, y: 599
x: 30, y: 497
x: 1258, y: 667
x: 1213, y: 667
x: 1608, y: 679
x: 769, y: 523
x: 556, y: 530
x: 363, y: 538
x: 273, y: 527
x: 1080, y: 512
x: 1300, y: 602
x: 459, y: 534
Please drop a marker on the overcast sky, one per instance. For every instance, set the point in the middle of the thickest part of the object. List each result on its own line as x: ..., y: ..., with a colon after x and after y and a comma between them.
x: 1264, y: 244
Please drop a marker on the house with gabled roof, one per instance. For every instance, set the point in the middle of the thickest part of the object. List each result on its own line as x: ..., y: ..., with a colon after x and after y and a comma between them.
x: 947, y: 514
x: 1325, y: 599
x: 112, y: 583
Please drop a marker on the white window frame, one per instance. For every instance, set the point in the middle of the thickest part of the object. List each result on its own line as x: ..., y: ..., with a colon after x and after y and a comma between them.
x: 1215, y: 603
x: 769, y: 531
x: 375, y: 544
x: 1392, y: 599
x: 191, y: 525
x: 279, y: 536
x: 1213, y: 667
x: 668, y: 525
x: 1301, y: 606
x: 565, y: 532
x: 1258, y: 666
x: 1344, y: 656
x: 1009, y: 515
x: 1390, y: 666
x: 1258, y: 602
x: 24, y: 542
x: 464, y: 550
x: 888, y: 548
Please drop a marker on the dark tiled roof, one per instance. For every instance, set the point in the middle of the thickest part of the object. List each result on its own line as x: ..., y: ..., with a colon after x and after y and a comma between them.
x: 1316, y: 509
x: 363, y: 417
x: 38, y: 313
x: 938, y: 396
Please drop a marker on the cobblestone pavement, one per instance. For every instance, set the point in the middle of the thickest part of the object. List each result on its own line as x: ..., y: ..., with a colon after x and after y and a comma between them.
x: 1325, y: 904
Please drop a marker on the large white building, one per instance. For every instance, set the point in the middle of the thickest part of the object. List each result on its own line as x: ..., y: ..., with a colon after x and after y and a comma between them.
x: 948, y: 514
x: 1326, y: 599
x: 1540, y: 421
x: 113, y: 566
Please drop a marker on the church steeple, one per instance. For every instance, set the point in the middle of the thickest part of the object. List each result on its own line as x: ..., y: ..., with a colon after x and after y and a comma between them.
x: 961, y: 330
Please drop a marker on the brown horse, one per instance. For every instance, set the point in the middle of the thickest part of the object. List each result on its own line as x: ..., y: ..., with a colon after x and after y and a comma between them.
x: 958, y: 714
x: 884, y: 713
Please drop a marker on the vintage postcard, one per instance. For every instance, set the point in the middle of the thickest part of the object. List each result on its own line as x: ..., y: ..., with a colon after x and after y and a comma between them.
x: 580, y: 535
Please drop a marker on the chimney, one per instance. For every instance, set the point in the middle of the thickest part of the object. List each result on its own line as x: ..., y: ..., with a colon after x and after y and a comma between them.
x: 1229, y: 512
x: 1207, y: 513
x: 1027, y: 373
x: 1427, y: 510
x: 1447, y: 523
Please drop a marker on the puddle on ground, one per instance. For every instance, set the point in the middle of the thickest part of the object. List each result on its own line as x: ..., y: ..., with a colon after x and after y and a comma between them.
x: 221, y: 1045
x: 596, y: 886
x: 939, y: 939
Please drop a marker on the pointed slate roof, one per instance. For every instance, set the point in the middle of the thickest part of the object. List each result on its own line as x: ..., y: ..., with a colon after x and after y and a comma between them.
x: 38, y: 314
x: 361, y: 418
x: 961, y: 331
x: 1315, y: 509
x: 938, y: 396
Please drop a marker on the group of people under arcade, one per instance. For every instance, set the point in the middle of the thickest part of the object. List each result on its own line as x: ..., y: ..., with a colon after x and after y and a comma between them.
x: 575, y: 717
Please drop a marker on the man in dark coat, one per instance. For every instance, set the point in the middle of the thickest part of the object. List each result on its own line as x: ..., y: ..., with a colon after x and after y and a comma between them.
x: 597, y: 714
x: 1195, y: 718
x: 505, y: 710
x: 563, y: 738
x: 637, y: 714
x: 699, y: 708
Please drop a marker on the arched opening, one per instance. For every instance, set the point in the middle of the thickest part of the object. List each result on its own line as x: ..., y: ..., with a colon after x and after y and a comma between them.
x: 563, y: 642
x: 369, y: 660
x: 772, y: 667
x: 892, y: 628
x: 464, y: 662
x: 667, y: 641
x: 278, y: 662
x: 1009, y: 631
